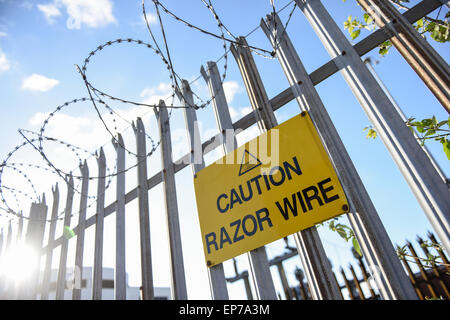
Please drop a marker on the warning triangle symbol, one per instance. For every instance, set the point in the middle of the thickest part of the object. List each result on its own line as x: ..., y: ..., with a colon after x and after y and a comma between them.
x: 248, y: 162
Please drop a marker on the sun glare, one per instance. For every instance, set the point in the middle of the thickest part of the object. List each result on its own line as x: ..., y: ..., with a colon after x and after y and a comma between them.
x: 19, y: 263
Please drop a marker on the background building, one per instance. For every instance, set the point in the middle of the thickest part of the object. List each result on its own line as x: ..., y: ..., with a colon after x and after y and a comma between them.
x: 133, y: 293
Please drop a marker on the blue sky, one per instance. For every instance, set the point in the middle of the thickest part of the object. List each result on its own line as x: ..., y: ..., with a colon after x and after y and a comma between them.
x: 41, y: 41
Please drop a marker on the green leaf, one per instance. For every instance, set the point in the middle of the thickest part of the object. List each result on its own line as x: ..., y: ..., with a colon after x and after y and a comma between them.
x: 346, y: 25
x: 431, y: 298
x: 355, y: 34
x: 440, y: 124
x: 68, y: 233
x: 342, y: 233
x: 349, y: 19
x: 425, y: 244
x: 427, y: 122
x: 383, y: 51
x: 331, y: 225
x: 421, y: 129
x: 384, y: 47
x: 367, y: 18
x: 446, y: 146
x: 356, y: 246
x: 420, y: 23
x: 439, y: 31
x: 430, y: 132
x: 430, y: 26
x: 371, y: 133
x: 401, y: 251
x: 431, y: 258
x: 341, y: 229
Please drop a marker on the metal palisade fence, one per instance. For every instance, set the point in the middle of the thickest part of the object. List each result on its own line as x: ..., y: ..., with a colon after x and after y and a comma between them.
x: 421, y: 174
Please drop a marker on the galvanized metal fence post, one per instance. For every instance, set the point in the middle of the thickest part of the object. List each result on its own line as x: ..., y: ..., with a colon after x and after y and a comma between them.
x: 310, y: 249
x: 216, y: 273
x: 283, y: 279
x: 144, y: 219
x: 242, y: 276
x: 61, y: 282
x: 425, y: 61
x: 79, y: 253
x: 1, y: 243
x: 194, y: 139
x: 431, y: 192
x: 97, y: 278
x: 33, y: 239
x: 436, y: 166
x: 51, y: 238
x: 20, y: 228
x: 13, y: 292
x: 9, y: 283
x: 2, y: 280
x: 9, y: 237
x: 367, y: 226
x: 120, y: 290
x: 259, y: 264
x: 179, y: 291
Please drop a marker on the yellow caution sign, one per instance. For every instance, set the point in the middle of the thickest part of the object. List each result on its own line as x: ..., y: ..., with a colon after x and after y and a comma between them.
x: 274, y: 185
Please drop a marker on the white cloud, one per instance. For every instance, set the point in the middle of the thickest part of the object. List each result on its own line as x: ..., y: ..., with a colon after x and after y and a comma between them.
x: 37, y: 82
x: 154, y: 94
x: 140, y: 22
x: 247, y: 135
x: 237, y: 114
x: 230, y: 89
x: 50, y: 11
x: 4, y: 63
x: 233, y: 113
x: 27, y: 5
x: 82, y: 131
x: 87, y: 131
x: 3, y: 34
x: 92, y: 14
x: 151, y: 18
x: 245, y: 110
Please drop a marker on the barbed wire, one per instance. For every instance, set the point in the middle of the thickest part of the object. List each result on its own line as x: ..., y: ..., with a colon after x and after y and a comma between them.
x: 174, y: 76
x: 232, y: 41
x: 97, y: 98
x: 54, y: 170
